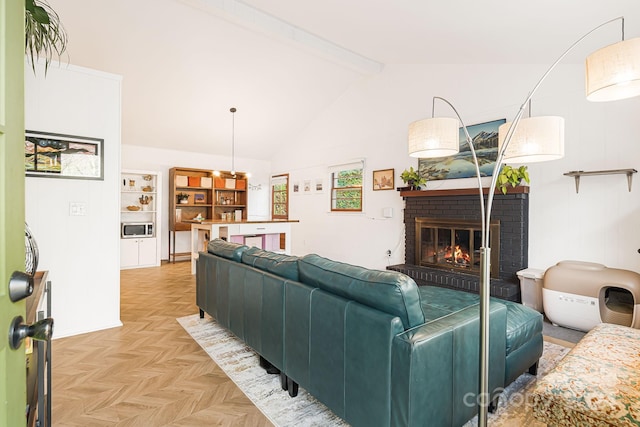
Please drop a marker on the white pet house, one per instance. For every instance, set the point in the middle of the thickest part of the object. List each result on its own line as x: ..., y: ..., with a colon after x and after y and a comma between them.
x: 580, y: 295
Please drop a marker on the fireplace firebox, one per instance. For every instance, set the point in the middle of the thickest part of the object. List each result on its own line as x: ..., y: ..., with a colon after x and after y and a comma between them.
x: 454, y: 244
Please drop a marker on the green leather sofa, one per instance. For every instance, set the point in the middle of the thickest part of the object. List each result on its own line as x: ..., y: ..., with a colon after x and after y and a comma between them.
x: 371, y: 345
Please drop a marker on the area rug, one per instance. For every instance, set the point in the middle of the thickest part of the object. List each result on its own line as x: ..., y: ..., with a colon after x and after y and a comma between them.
x: 240, y: 363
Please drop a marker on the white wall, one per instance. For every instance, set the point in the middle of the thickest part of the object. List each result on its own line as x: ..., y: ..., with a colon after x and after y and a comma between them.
x: 80, y: 252
x: 161, y: 160
x: 370, y: 120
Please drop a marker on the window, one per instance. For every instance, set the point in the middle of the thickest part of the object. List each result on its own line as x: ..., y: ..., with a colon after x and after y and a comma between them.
x: 346, y: 187
x: 280, y: 196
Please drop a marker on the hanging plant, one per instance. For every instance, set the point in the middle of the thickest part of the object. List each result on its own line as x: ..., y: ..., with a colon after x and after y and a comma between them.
x: 43, y: 31
x: 509, y: 175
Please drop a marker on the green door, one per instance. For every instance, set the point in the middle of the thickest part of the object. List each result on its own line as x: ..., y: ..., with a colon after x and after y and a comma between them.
x: 12, y: 362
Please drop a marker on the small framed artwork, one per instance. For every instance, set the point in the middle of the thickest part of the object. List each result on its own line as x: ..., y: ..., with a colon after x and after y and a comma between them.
x: 319, y: 185
x: 306, y: 186
x: 54, y: 155
x: 296, y: 187
x: 383, y: 179
x: 199, y: 198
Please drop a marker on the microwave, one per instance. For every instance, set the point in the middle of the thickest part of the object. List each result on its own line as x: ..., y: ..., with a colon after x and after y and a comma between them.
x: 136, y: 229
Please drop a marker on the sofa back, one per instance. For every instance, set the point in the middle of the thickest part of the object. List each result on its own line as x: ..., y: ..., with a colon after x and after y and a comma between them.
x: 228, y: 250
x: 282, y: 265
x: 247, y: 301
x: 387, y: 291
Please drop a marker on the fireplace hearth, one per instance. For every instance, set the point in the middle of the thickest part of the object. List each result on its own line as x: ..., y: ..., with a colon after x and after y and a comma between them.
x: 454, y: 245
x: 459, y: 211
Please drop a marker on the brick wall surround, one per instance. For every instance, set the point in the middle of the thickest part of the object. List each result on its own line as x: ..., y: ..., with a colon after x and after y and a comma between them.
x: 512, y: 210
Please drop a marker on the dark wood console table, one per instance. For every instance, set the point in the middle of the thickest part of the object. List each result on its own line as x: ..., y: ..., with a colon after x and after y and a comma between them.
x: 38, y: 355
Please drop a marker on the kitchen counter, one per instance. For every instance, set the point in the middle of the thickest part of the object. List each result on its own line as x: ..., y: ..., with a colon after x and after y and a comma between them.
x: 273, y: 235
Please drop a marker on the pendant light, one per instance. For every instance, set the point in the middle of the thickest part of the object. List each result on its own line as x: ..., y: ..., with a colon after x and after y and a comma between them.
x: 233, y: 142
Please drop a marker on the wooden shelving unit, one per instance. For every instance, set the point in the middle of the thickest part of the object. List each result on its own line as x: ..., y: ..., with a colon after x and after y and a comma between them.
x: 197, y: 185
x: 209, y: 196
x: 230, y: 195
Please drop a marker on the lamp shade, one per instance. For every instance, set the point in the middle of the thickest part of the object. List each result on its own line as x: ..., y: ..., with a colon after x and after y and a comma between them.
x: 613, y: 72
x: 535, y: 139
x: 434, y: 137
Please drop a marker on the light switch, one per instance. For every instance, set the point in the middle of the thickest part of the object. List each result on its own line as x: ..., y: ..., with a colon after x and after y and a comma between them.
x: 387, y: 212
x: 77, y: 209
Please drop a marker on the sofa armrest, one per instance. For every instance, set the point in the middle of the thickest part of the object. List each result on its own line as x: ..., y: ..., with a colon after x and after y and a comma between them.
x: 434, y: 368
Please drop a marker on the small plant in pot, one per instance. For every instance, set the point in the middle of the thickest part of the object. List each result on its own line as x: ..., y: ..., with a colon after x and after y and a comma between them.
x: 412, y: 178
x: 183, y: 198
x: 511, y: 176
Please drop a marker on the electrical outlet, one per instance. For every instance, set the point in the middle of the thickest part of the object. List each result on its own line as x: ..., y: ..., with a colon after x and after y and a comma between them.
x: 389, y: 253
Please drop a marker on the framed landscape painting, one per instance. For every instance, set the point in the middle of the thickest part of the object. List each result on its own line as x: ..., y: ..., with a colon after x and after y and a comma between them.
x: 199, y: 198
x: 383, y: 179
x: 55, y: 155
x: 485, y: 141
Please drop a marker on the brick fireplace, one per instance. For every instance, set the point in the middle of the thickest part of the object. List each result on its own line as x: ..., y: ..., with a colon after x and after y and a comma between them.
x: 510, y: 215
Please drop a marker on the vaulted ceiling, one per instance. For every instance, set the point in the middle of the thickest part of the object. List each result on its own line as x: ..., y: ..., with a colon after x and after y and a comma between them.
x: 283, y: 62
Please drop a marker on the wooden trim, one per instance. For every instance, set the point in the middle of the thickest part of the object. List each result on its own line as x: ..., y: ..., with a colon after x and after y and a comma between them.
x: 521, y: 189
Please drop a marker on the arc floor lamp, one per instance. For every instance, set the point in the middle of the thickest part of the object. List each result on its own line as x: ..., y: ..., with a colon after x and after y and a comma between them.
x: 612, y: 73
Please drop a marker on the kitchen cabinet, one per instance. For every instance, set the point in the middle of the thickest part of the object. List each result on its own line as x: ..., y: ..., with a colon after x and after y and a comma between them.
x: 138, y: 252
x: 140, y: 200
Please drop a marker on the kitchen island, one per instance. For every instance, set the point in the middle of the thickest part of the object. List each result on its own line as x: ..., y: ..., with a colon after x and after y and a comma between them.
x: 271, y: 235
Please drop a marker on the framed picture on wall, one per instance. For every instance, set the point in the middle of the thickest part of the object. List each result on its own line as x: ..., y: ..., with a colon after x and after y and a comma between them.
x: 53, y: 155
x: 199, y: 198
x: 307, y: 186
x: 461, y: 165
x: 383, y: 179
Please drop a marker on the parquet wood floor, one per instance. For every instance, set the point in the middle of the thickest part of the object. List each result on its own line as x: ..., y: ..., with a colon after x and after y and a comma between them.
x: 148, y: 372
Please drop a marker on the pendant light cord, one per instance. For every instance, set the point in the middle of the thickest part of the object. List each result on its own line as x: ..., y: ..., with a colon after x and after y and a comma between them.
x: 233, y: 140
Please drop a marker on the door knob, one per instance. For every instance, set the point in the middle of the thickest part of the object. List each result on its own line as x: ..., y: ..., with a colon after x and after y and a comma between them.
x: 20, y: 286
x: 18, y: 331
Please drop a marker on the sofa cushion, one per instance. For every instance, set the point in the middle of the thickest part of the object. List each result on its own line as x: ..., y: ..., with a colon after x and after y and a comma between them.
x: 282, y: 265
x: 523, y: 323
x: 438, y: 302
x: 387, y: 291
x: 228, y: 250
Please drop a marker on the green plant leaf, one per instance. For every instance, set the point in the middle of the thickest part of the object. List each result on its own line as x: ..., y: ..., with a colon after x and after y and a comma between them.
x: 29, y: 5
x: 41, y: 15
x: 509, y: 175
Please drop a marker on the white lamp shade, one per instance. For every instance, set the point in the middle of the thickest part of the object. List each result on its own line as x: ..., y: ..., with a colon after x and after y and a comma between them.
x: 535, y: 139
x: 434, y: 137
x: 613, y: 72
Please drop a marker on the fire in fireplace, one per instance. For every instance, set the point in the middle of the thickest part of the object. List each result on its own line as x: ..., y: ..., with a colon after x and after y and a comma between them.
x: 455, y: 244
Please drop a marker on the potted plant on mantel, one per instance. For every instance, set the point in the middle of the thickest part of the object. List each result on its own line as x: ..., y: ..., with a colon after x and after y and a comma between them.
x: 412, y: 178
x: 514, y: 177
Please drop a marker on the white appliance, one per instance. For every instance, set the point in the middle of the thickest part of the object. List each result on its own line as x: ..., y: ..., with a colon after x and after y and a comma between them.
x: 580, y: 295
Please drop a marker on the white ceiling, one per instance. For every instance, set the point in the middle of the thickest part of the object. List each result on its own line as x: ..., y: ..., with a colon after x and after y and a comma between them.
x: 283, y: 62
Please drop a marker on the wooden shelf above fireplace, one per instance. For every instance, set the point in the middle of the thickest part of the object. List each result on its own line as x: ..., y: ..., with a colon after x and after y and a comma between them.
x: 521, y: 189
